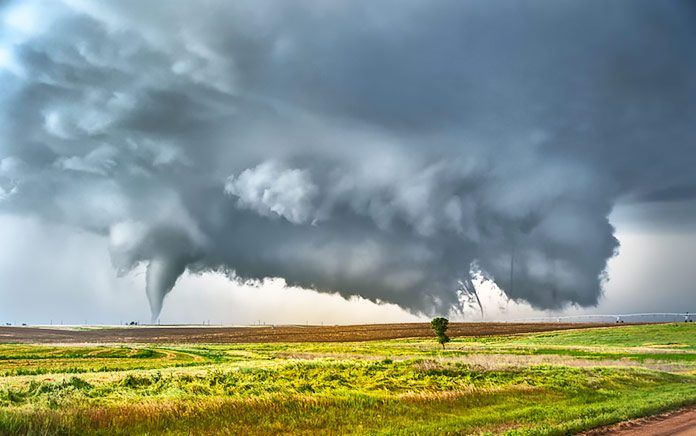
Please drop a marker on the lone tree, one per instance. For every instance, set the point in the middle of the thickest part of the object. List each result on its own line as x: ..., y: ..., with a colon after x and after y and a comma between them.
x: 439, y: 326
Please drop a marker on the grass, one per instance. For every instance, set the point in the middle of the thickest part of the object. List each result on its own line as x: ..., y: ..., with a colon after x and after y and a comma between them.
x: 670, y: 336
x: 534, y: 384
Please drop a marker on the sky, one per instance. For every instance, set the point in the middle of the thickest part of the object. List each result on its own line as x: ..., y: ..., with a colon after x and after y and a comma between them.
x: 338, y: 162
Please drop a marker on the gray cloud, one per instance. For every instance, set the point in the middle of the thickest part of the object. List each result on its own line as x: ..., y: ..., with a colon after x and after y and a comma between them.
x: 382, y: 149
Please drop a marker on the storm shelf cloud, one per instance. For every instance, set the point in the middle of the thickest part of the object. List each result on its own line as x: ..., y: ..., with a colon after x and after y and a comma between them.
x: 387, y: 149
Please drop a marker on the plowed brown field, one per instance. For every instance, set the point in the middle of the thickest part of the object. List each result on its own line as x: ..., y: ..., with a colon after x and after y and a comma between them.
x: 226, y: 335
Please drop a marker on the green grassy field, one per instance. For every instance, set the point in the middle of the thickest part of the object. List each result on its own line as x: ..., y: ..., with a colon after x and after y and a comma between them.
x: 547, y: 383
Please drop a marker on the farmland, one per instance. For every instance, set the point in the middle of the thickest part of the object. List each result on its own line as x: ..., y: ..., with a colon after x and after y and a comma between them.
x: 218, y: 335
x: 389, y: 380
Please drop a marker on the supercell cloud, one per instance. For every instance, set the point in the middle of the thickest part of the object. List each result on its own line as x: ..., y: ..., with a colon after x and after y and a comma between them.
x: 387, y: 149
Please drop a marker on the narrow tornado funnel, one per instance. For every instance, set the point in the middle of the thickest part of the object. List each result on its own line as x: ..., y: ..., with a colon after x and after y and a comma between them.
x: 162, y: 274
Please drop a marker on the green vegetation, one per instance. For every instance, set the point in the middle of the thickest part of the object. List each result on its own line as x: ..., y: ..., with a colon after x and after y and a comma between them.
x: 671, y: 336
x: 440, y: 326
x: 548, y: 383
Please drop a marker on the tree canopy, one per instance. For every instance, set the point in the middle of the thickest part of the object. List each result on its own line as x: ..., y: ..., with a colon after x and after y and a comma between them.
x: 440, y: 326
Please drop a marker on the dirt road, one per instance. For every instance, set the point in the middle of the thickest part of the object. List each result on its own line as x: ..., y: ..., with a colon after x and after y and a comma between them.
x: 225, y: 335
x: 678, y: 423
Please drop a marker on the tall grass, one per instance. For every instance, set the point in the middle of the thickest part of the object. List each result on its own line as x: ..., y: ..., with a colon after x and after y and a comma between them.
x: 386, y: 387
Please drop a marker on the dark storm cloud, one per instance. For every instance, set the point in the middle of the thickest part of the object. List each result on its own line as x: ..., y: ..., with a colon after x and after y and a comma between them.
x: 386, y: 149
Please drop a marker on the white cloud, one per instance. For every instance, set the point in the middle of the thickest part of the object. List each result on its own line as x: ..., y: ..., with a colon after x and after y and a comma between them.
x: 270, y: 189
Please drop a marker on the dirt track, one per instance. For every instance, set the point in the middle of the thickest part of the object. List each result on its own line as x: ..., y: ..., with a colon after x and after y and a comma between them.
x: 678, y: 423
x: 225, y: 335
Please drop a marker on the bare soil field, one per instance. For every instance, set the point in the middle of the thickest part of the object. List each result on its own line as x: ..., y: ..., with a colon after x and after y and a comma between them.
x: 228, y: 335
